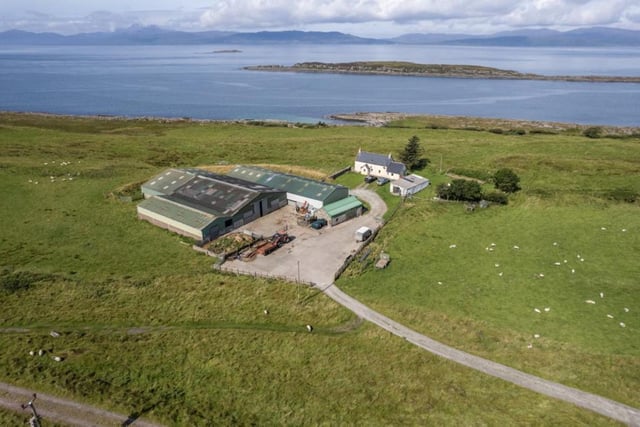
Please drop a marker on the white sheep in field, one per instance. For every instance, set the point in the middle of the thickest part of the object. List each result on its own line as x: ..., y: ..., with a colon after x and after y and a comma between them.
x: 590, y: 301
x: 516, y: 247
x: 265, y: 311
x: 601, y: 294
x: 609, y: 316
x: 623, y: 325
x: 547, y: 309
x: 309, y: 328
x: 453, y: 246
x: 537, y: 310
x: 626, y: 310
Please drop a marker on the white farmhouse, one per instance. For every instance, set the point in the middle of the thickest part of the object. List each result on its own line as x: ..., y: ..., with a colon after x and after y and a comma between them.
x: 379, y: 165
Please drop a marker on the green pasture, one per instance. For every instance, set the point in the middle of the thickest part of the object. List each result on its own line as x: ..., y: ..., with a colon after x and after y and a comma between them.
x: 147, y: 326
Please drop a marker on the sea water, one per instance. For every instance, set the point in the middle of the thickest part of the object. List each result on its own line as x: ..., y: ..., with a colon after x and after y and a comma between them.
x: 210, y: 82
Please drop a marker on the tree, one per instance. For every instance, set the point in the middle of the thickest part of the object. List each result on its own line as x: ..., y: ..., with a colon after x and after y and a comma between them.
x: 412, y: 153
x: 460, y: 189
x: 506, y: 180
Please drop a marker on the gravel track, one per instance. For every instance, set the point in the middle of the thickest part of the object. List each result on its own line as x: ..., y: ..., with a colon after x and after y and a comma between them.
x: 63, y: 411
x: 607, y: 407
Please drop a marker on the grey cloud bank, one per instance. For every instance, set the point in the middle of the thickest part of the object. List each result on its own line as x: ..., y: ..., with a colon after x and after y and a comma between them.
x: 371, y: 18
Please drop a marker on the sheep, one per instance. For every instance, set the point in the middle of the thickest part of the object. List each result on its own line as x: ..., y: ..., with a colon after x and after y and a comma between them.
x: 530, y: 345
x: 555, y: 243
x: 573, y: 270
x: 603, y: 228
x: 265, y: 311
x: 536, y: 335
x: 452, y: 246
x: 32, y: 353
x: 609, y: 316
x: 547, y: 309
x: 590, y: 301
x: 40, y: 352
x: 58, y: 358
x: 497, y: 265
x: 500, y: 274
x: 624, y: 230
x: 626, y: 310
x: 54, y: 334
x: 623, y: 325
x: 439, y: 283
x: 309, y: 328
x: 537, y: 310
x: 516, y: 247
x: 601, y: 294
x: 557, y: 263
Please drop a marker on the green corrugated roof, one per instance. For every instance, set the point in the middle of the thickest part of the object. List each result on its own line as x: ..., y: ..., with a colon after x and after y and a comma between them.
x: 177, y: 212
x: 342, y: 206
x: 290, y: 183
x: 168, y: 181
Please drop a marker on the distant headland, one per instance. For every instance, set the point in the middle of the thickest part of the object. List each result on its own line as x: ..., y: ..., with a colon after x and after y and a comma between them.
x: 397, y: 68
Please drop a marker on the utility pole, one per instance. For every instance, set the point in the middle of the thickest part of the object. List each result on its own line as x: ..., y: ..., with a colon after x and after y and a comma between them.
x: 34, y: 421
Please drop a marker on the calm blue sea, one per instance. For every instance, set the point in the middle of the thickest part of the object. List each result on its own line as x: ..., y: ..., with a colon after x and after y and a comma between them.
x: 193, y: 81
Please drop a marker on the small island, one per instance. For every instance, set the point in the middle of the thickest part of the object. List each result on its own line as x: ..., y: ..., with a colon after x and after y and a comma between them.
x: 227, y: 51
x: 397, y: 68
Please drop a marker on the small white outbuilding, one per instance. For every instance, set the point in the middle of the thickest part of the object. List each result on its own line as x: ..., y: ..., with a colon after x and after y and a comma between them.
x: 408, y: 185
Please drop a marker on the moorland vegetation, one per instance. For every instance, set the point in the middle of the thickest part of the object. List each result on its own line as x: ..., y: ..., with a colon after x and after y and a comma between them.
x: 147, y: 325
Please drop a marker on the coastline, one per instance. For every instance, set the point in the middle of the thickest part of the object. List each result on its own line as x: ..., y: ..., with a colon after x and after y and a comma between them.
x: 364, y: 118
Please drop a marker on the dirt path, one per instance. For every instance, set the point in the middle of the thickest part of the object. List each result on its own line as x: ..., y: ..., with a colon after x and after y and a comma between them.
x: 63, y: 411
x: 601, y: 405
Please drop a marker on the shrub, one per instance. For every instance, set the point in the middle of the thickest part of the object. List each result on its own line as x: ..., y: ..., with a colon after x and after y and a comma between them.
x: 461, y: 190
x: 506, y: 180
x: 496, y: 197
x: 593, y: 132
x: 622, y: 195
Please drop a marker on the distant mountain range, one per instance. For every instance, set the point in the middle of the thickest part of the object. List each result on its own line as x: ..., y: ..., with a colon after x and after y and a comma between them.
x: 137, y: 35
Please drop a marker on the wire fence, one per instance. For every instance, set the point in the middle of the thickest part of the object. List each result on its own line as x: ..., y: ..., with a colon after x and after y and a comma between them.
x: 238, y: 271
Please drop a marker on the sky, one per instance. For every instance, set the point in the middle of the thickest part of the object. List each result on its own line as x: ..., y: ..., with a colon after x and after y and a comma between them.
x: 365, y: 18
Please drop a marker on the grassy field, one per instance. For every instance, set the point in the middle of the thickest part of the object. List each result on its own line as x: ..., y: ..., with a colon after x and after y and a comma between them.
x: 148, y: 326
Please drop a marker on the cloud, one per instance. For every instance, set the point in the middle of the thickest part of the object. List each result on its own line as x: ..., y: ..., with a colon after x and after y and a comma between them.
x: 360, y: 17
x: 253, y: 14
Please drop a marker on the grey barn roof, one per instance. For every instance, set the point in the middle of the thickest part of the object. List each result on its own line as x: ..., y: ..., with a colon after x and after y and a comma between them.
x: 293, y: 184
x: 214, y: 194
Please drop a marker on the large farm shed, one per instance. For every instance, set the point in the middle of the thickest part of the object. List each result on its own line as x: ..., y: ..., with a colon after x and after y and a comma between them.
x: 299, y: 189
x: 342, y: 210
x: 203, y: 205
x: 378, y: 165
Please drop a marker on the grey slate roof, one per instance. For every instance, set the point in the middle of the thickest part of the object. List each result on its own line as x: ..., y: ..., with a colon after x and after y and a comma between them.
x: 382, y: 160
x: 396, y: 167
x: 373, y: 158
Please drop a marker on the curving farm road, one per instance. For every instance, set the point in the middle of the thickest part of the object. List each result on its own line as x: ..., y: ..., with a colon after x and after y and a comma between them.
x: 599, y: 404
